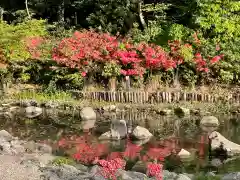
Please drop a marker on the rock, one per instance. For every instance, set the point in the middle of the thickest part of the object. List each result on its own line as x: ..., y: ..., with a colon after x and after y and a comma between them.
x: 217, y: 139
x: 44, y: 148
x: 36, y: 159
x: 183, y: 177
x: 232, y: 176
x: 141, y: 133
x: 216, y: 162
x: 130, y: 175
x: 89, y: 124
x: 63, y: 172
x: 33, y: 111
x: 181, y: 111
x: 120, y: 127
x: 140, y: 166
x: 95, y: 173
x: 169, y: 175
x: 81, y: 167
x: 51, y: 104
x: 165, y: 112
x: 110, y: 135
x: 191, y: 176
x: 209, y: 123
x: 110, y: 108
x: 210, y: 174
x: 183, y: 154
x: 6, y: 135
x: 25, y: 103
x: 87, y: 113
x: 17, y: 146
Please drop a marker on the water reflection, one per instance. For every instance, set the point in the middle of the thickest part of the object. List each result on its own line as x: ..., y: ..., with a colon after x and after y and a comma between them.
x: 167, y: 130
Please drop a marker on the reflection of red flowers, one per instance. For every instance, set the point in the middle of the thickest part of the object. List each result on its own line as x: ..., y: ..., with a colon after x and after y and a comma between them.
x: 84, y: 74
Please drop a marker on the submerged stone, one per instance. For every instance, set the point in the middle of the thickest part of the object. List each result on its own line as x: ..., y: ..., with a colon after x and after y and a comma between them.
x: 217, y: 140
x: 141, y: 133
x: 33, y: 111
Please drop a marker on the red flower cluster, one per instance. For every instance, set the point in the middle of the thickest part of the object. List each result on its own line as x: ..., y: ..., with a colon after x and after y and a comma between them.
x: 109, y: 168
x: 155, y: 170
x: 89, y: 46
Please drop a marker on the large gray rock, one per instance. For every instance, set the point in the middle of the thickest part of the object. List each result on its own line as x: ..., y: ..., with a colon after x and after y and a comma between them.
x: 209, y: 123
x: 119, y: 126
x: 141, y: 133
x: 232, y: 176
x: 63, y: 172
x: 87, y: 113
x: 88, y: 124
x: 183, y: 177
x: 110, y: 135
x: 169, y: 175
x: 217, y: 139
x: 32, y: 111
x: 6, y: 135
x: 184, y: 154
x: 130, y: 175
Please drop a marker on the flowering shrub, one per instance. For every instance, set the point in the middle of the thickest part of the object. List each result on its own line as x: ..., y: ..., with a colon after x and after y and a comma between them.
x: 103, y: 49
x: 85, y: 151
x: 110, y: 167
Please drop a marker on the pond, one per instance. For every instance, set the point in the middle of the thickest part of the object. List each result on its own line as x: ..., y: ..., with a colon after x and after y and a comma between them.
x: 52, y: 125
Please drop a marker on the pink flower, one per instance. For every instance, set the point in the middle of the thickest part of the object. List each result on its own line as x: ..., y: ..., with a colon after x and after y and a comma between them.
x: 84, y: 74
x: 215, y: 59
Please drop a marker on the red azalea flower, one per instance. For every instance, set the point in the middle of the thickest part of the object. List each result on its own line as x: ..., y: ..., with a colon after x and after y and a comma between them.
x: 84, y: 74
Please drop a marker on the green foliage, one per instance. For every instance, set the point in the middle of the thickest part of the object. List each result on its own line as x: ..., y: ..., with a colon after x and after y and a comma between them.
x: 63, y: 160
x: 43, y: 96
x: 111, y: 70
x: 12, y: 38
x: 109, y: 16
x: 219, y: 18
x: 47, y: 73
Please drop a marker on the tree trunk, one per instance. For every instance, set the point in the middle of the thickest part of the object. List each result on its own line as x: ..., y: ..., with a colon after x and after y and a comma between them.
x: 141, y: 17
x: 112, y: 83
x: 1, y: 13
x: 61, y: 12
x: 26, y: 5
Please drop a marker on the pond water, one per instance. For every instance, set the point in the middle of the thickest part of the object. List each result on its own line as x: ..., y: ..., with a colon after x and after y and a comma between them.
x: 53, y: 124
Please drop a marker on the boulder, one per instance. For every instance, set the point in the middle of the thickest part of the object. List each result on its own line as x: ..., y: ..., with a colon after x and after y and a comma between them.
x: 209, y: 123
x: 183, y: 177
x: 181, y: 111
x: 89, y: 124
x: 33, y: 111
x: 141, y: 133
x: 110, y: 135
x: 183, y: 154
x: 87, y: 113
x: 232, y: 176
x: 6, y: 135
x: 119, y: 126
x: 217, y: 140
